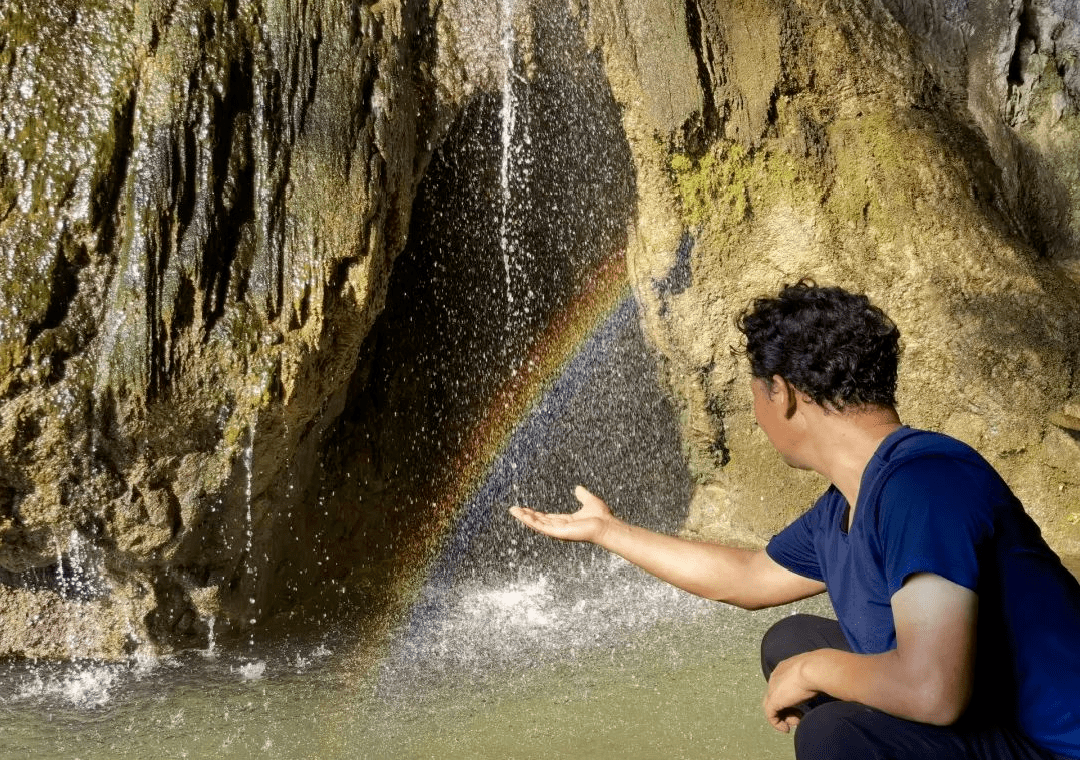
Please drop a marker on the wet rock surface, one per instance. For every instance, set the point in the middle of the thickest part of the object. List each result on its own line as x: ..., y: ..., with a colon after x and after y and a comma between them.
x: 203, y: 416
x: 201, y: 202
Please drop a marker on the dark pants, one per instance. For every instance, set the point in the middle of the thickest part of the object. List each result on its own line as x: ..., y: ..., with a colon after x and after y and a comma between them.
x: 834, y: 730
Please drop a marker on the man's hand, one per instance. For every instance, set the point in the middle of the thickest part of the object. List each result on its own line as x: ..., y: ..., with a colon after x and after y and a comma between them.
x: 928, y: 678
x: 787, y: 688
x: 587, y: 524
x: 744, y: 577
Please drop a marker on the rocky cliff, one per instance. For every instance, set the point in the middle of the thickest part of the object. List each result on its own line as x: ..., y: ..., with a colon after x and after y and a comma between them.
x: 199, y: 207
x: 201, y: 204
x: 922, y: 152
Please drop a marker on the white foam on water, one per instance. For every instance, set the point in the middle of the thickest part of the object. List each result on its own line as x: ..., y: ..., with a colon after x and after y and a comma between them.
x: 480, y: 628
x: 303, y: 662
x: 252, y: 671
x: 520, y: 605
x: 85, y: 686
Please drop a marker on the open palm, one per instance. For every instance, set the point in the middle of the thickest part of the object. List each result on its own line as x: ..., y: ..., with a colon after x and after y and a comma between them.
x: 587, y: 524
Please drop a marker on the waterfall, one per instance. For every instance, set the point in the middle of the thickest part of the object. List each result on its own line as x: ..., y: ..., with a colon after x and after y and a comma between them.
x: 508, y: 120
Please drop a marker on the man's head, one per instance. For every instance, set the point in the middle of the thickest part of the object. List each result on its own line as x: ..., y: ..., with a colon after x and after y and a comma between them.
x: 834, y: 346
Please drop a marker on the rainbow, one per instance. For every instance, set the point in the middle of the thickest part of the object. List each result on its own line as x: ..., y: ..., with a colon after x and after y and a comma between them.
x: 604, y: 289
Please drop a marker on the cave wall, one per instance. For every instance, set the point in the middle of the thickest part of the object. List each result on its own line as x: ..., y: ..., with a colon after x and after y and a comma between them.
x: 922, y: 152
x: 201, y: 202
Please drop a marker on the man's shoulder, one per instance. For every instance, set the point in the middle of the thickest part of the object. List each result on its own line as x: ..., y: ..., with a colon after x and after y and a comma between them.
x: 910, y: 443
x: 930, y: 462
x: 913, y: 449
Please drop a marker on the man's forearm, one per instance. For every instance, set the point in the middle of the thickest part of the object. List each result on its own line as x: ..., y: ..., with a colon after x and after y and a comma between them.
x: 742, y: 577
x: 928, y: 677
x: 737, y: 576
x: 884, y: 682
x: 709, y: 570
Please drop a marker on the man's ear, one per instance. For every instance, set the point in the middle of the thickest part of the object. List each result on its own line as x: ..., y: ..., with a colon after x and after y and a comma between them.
x: 787, y: 395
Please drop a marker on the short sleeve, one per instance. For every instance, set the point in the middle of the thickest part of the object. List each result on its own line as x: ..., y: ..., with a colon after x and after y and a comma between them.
x: 794, y: 547
x: 934, y: 513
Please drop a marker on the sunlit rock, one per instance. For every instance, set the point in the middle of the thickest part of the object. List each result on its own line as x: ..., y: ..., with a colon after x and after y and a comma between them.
x: 921, y: 152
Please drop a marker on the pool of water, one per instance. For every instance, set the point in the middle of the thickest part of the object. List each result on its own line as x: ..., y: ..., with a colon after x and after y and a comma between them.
x: 613, y: 665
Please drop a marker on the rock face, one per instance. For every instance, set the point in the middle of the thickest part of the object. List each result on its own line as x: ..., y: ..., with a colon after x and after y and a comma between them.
x: 201, y: 202
x: 199, y: 206
x: 921, y: 152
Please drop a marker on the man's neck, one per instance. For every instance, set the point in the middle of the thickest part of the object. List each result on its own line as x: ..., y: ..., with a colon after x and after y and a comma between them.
x: 843, y: 442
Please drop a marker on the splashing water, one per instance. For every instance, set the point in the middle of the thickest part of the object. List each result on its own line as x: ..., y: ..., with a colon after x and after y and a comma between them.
x: 508, y: 119
x: 85, y: 687
x: 252, y: 671
x: 478, y: 628
x: 210, y: 653
x: 80, y: 684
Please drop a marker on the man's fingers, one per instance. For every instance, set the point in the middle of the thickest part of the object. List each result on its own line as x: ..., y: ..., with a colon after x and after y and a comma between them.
x: 773, y: 716
x: 583, y: 525
x: 783, y: 719
x: 528, y: 516
x: 781, y: 724
x: 784, y: 726
x: 591, y: 504
x: 538, y: 521
x: 585, y: 496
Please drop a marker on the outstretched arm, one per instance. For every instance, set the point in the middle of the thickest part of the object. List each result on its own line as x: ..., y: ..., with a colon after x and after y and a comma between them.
x: 743, y: 577
x: 927, y: 678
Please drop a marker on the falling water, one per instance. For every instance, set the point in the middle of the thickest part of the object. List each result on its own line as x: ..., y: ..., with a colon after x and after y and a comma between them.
x: 65, y: 593
x: 249, y: 532
x: 210, y: 653
x: 508, y: 119
x: 255, y: 668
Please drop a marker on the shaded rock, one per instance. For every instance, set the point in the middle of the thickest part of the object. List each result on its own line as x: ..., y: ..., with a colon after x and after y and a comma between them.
x: 199, y: 205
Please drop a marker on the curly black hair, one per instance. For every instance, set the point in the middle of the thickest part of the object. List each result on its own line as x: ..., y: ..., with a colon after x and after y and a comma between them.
x: 834, y: 346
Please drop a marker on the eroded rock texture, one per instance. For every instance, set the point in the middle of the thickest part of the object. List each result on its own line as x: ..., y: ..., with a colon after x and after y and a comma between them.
x: 924, y: 152
x: 201, y: 202
x: 199, y: 205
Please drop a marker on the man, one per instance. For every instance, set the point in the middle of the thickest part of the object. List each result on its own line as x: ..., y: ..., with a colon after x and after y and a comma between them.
x: 958, y: 631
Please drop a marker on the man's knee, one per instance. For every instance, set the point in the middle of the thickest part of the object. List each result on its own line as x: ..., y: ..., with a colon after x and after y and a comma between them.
x: 850, y: 731
x: 835, y: 731
x: 786, y: 638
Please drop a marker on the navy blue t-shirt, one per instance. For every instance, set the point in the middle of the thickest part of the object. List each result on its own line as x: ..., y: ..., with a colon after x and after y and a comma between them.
x: 929, y: 503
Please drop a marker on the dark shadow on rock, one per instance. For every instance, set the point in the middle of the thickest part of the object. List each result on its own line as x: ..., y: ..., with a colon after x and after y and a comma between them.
x: 463, y: 310
x: 1019, y: 325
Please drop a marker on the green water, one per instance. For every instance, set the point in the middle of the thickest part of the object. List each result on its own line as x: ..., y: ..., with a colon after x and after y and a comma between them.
x: 692, y: 692
x: 675, y: 688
